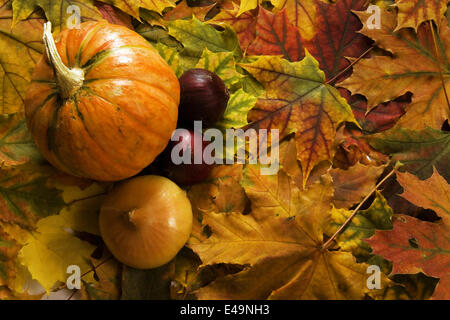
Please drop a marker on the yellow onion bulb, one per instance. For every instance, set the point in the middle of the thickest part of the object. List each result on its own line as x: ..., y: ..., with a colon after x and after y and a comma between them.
x: 145, y: 221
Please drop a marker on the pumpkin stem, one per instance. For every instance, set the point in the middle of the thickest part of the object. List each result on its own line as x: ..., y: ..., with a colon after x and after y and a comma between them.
x: 69, y: 80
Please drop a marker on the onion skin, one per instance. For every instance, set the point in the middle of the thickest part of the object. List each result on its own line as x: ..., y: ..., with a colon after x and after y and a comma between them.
x: 145, y: 221
x: 204, y: 97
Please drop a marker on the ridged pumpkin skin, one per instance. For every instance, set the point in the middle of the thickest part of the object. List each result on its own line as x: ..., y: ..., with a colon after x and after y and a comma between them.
x: 119, y: 120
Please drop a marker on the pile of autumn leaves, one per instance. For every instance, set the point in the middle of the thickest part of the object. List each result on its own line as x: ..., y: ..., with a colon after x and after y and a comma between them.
x: 348, y: 104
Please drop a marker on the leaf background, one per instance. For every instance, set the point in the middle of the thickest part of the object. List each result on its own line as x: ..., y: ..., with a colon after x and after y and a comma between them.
x: 350, y: 106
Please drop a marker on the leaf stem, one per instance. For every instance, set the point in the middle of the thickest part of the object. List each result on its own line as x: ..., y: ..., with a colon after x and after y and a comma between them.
x: 87, y: 272
x: 329, y: 241
x: 86, y: 198
x: 439, y: 63
x: 349, y: 66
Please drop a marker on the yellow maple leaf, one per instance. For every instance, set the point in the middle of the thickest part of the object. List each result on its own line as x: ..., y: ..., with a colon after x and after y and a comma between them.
x: 48, y: 251
x: 411, y: 13
x: 301, y: 13
x: 132, y: 6
x: 51, y: 249
x: 280, y: 244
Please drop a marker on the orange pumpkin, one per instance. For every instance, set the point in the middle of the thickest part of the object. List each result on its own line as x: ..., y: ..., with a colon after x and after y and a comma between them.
x: 102, y: 103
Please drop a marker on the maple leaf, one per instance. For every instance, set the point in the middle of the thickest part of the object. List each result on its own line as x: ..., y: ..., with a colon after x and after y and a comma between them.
x: 238, y: 106
x: 336, y: 36
x: 184, y: 11
x: 244, y: 24
x: 187, y: 277
x: 289, y: 164
x: 363, y: 225
x: 383, y: 4
x: 411, y: 287
x: 16, y: 277
x: 433, y: 193
x: 249, y: 226
x: 16, y: 145
x: 275, y: 35
x: 82, y: 206
x: 5, y: 293
x: 29, y: 194
x: 247, y: 5
x: 151, y: 284
x: 301, y: 13
x: 354, y: 147
x: 416, y: 246
x: 114, y: 15
x: 150, y: 18
x: 411, y: 13
x: 221, y: 192
x: 8, y: 252
x: 170, y: 55
x: 156, y: 33
x: 132, y: 6
x: 51, y: 249
x: 20, y: 49
x: 251, y: 86
x: 56, y: 11
x: 272, y: 194
x: 288, y: 160
x: 222, y: 64
x: 418, y: 151
x: 353, y: 184
x: 282, y: 251
x: 56, y: 239
x: 196, y: 36
x: 171, y: 281
x: 299, y: 100
x: 380, y: 118
x: 25, y: 196
x: 372, y: 77
x: 107, y: 277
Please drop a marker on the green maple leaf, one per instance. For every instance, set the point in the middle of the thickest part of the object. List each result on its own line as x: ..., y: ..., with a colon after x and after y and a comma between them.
x: 196, y: 36
x: 16, y: 144
x: 419, y: 151
x: 222, y: 64
x: 58, y: 11
x: 25, y: 196
x: 171, y: 56
x: 20, y: 48
x: 363, y: 225
x: 235, y: 115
